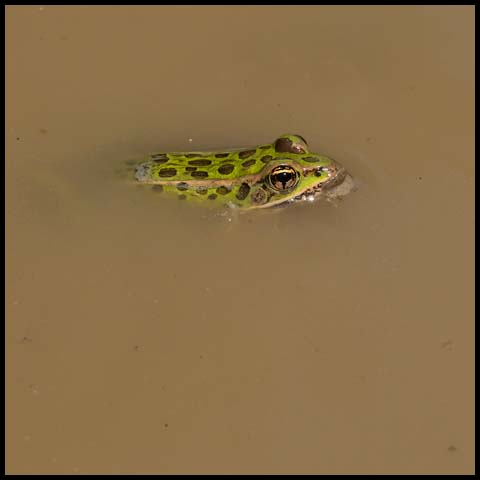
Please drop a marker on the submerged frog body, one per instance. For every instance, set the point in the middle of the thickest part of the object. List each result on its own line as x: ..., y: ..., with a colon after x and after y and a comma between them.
x: 279, y: 173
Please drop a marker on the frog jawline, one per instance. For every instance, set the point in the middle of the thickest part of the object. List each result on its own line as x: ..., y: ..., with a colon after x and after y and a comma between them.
x: 322, y: 189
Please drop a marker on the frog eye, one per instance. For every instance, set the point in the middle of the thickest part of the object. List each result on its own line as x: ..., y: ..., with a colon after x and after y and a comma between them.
x: 283, y: 178
x: 291, y: 144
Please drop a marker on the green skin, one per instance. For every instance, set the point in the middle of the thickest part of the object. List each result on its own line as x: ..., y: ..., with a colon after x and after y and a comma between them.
x: 280, y: 173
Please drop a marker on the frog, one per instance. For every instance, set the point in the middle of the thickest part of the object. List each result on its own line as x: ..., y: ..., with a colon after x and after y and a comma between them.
x: 280, y: 173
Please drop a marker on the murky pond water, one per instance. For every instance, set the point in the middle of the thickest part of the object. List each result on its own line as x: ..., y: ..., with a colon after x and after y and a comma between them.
x: 153, y: 336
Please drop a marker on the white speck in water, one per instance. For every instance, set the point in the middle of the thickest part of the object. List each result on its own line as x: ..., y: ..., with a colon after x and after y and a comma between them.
x: 190, y: 140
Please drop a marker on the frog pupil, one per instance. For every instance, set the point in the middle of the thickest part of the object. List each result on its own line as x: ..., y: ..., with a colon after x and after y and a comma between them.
x: 283, y: 178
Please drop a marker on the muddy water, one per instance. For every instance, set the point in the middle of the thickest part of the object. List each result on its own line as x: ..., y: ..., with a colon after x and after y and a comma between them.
x: 149, y: 336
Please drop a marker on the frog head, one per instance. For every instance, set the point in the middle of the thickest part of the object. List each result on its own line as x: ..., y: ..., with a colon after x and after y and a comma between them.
x: 294, y: 174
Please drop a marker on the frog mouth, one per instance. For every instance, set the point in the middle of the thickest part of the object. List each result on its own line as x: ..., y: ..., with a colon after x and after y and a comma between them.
x: 337, y: 175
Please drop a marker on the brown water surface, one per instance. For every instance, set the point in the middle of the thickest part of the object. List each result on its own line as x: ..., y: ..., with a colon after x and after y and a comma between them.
x: 151, y: 336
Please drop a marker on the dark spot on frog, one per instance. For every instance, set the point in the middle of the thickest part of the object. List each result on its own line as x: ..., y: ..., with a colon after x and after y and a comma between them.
x: 246, y: 154
x: 200, y: 162
x: 249, y: 163
x: 212, y: 196
x: 221, y: 155
x: 182, y: 186
x: 310, y: 159
x: 259, y: 197
x: 192, y: 155
x: 199, y: 174
x: 159, y: 157
x: 157, y: 188
x: 222, y: 190
x: 226, y: 169
x: 264, y: 147
x: 266, y: 158
x: 190, y: 169
x: 167, y: 172
x: 202, y: 190
x: 243, y: 191
x: 182, y: 197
